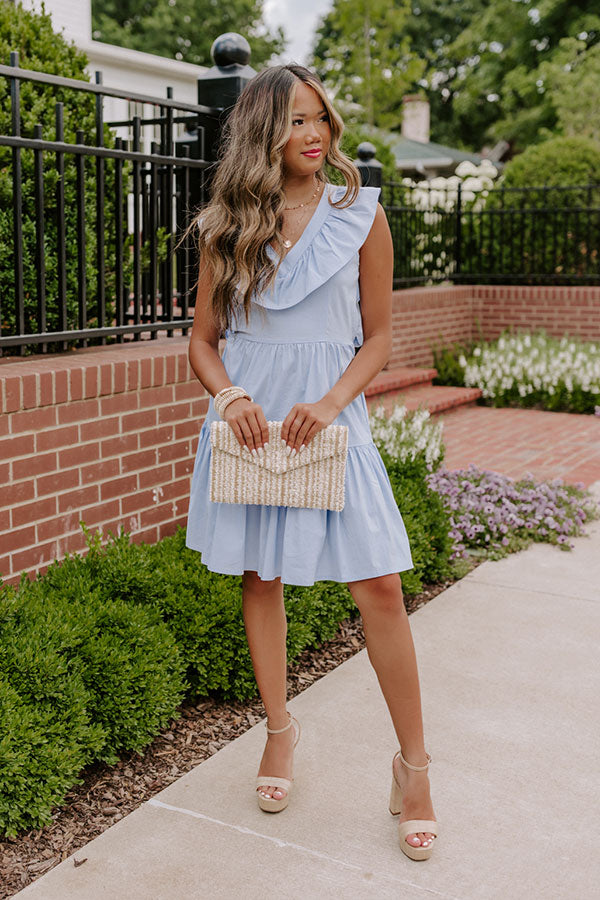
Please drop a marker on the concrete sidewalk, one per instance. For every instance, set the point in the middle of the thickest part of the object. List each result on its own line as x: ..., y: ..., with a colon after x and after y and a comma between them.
x: 508, y: 662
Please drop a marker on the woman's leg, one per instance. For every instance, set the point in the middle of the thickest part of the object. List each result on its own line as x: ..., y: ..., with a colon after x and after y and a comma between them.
x: 266, y: 629
x: 392, y: 653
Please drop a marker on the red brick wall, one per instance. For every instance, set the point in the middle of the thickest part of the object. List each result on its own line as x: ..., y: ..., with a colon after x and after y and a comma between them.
x: 425, y: 316
x: 559, y: 310
x: 445, y: 314
x: 105, y: 435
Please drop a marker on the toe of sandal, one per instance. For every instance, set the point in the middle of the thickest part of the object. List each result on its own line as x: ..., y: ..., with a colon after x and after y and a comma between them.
x: 412, y: 826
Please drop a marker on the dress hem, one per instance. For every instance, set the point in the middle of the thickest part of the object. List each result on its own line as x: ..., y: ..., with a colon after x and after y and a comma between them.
x: 337, y: 578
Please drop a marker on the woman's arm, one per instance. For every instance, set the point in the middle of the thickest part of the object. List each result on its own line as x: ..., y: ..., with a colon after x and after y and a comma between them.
x: 245, y: 417
x: 203, y: 350
x: 375, y: 280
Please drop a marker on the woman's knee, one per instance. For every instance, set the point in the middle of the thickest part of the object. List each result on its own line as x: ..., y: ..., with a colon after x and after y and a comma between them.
x: 382, y: 594
x: 254, y: 585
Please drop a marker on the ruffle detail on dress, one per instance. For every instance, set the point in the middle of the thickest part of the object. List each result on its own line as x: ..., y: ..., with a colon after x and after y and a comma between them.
x: 301, y: 546
x: 329, y: 241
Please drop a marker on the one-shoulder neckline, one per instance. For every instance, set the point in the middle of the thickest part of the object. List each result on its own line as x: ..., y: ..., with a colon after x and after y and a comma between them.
x: 315, y: 221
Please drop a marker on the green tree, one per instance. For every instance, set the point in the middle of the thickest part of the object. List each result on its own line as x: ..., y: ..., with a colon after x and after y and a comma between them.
x: 183, y: 29
x: 432, y: 29
x: 362, y: 52
x: 572, y: 79
x: 506, y: 53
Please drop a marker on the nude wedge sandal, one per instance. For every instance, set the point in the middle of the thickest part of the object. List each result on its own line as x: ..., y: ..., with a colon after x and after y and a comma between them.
x: 272, y: 804
x: 411, y: 826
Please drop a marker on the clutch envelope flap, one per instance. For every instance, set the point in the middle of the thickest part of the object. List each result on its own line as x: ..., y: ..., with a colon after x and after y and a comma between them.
x: 330, y: 441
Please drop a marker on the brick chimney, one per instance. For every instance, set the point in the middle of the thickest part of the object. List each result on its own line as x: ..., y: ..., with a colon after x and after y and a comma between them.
x: 415, y: 118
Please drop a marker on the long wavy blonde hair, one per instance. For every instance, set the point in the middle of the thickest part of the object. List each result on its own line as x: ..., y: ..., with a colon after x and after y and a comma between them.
x: 244, y: 213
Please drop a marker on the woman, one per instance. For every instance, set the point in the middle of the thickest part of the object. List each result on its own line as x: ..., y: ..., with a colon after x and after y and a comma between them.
x: 297, y: 274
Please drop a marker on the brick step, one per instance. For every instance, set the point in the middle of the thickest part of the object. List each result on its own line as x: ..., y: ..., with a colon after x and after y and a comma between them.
x: 436, y: 398
x: 401, y: 377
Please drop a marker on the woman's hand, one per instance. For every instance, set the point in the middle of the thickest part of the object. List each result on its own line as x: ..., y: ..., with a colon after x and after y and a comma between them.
x: 304, y: 420
x: 248, y: 422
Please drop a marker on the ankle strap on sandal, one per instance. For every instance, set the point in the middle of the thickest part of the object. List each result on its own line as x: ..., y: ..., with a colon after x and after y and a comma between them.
x: 279, y: 730
x: 415, y: 768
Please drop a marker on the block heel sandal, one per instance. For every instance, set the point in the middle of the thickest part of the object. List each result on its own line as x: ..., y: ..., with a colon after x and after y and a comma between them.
x: 272, y: 804
x: 411, y: 826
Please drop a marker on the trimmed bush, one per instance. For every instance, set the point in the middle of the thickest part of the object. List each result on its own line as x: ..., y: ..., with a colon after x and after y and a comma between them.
x: 426, y: 519
x: 46, y: 729
x: 203, y: 609
x: 81, y: 680
x: 560, y: 162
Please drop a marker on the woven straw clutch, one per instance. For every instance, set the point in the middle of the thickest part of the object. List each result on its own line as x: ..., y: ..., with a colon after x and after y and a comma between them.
x: 314, y: 478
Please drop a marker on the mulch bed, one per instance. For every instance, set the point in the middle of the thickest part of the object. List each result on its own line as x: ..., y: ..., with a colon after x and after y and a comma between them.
x: 108, y: 793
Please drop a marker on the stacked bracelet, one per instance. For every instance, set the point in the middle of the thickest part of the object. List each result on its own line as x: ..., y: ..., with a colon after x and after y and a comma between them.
x: 227, y: 396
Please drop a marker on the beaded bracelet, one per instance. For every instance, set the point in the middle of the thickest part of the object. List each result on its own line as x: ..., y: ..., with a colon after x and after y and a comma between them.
x: 227, y: 396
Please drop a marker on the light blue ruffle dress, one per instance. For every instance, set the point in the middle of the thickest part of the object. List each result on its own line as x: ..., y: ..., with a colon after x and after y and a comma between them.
x: 295, y: 352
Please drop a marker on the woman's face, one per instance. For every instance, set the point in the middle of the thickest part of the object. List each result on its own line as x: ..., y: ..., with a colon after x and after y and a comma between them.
x: 308, y: 145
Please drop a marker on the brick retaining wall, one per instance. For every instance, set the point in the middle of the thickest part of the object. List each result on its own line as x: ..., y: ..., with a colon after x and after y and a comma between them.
x: 559, y: 310
x: 105, y: 435
x: 445, y: 314
x: 422, y: 316
x: 109, y: 435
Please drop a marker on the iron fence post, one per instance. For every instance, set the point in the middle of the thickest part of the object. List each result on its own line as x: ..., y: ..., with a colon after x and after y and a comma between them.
x: 370, y: 168
x: 458, y: 232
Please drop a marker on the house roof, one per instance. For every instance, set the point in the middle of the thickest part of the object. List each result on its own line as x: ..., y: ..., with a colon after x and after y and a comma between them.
x: 409, y: 153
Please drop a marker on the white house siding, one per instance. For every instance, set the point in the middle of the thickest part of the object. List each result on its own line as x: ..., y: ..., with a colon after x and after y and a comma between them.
x: 127, y: 70
x: 75, y: 16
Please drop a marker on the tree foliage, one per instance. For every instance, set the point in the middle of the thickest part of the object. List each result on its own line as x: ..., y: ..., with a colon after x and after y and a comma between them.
x: 431, y: 29
x: 507, y: 70
x: 572, y: 77
x: 183, y: 29
x: 511, y: 69
x: 362, y: 52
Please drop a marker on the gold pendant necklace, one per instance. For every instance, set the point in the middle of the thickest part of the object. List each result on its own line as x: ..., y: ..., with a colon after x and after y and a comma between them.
x: 286, y: 242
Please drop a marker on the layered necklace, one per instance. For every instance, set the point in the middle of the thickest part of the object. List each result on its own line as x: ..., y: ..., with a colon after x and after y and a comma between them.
x: 287, y: 243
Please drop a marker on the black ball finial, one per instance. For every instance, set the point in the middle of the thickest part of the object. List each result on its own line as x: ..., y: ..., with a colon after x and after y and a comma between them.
x: 366, y: 151
x: 230, y: 48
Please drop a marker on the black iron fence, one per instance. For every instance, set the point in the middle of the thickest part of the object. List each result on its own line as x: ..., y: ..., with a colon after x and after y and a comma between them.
x: 89, y: 220
x: 532, y: 235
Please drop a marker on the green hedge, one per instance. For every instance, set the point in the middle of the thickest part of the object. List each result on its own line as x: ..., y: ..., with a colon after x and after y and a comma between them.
x: 82, y: 678
x: 97, y: 654
x: 427, y: 523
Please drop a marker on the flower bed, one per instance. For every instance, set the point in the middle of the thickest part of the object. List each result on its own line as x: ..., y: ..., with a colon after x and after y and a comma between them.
x: 490, y: 515
x: 528, y: 370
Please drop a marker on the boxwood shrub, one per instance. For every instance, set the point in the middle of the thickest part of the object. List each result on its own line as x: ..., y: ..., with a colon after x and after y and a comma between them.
x: 81, y: 679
